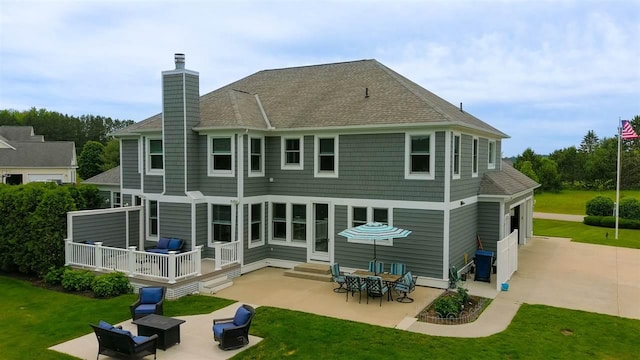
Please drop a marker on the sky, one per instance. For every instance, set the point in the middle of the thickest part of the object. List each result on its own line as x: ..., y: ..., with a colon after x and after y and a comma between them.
x: 544, y: 72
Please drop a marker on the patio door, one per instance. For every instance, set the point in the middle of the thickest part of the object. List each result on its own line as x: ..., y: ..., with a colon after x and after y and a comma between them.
x: 321, y: 233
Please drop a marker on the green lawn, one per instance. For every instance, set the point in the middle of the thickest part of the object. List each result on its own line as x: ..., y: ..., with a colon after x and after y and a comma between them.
x: 35, y: 318
x: 574, y: 201
x: 580, y: 232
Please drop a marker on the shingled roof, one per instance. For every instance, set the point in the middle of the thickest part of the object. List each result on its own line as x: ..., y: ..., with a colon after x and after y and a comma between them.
x: 361, y: 93
x: 505, y: 182
x: 31, y: 151
x: 109, y: 177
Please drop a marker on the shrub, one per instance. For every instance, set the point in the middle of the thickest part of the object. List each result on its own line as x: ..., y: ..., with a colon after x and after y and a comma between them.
x: 600, y: 206
x: 610, y: 222
x: 54, y: 275
x: 630, y: 208
x: 110, y: 285
x: 463, y: 295
x: 77, y: 280
x: 447, y: 306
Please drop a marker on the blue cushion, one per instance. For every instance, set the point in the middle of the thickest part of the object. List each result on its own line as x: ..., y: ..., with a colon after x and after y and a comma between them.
x: 218, y: 328
x: 150, y: 295
x: 145, y: 309
x: 140, y: 339
x: 174, y: 244
x: 242, y: 316
x: 163, y: 243
x: 105, y: 325
x: 120, y: 331
x: 158, y: 251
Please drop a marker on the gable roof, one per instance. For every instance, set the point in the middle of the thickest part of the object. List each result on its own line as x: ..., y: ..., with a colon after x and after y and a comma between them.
x: 505, y: 182
x: 28, y: 150
x: 361, y: 93
x: 109, y: 177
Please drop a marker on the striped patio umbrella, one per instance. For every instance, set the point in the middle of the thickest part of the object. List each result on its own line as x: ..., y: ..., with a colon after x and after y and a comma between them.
x: 374, y: 231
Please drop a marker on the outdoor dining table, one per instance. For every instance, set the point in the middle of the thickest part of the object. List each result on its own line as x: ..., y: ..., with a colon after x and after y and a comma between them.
x: 389, y: 279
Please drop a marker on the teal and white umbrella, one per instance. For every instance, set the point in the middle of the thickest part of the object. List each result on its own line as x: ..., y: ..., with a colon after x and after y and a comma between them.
x: 374, y: 231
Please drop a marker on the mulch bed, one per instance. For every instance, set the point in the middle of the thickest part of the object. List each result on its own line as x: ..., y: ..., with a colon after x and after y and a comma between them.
x: 471, y: 311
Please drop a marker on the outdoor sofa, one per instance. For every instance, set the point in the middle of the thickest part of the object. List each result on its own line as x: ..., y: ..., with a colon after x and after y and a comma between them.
x: 114, y: 341
x: 167, y: 244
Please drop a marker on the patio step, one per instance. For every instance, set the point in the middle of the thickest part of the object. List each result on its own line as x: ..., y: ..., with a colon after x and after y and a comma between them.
x: 310, y: 271
x: 212, y: 286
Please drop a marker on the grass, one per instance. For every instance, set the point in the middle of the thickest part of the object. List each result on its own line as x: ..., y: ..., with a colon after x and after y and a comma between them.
x: 39, y: 318
x: 580, y: 232
x: 574, y: 201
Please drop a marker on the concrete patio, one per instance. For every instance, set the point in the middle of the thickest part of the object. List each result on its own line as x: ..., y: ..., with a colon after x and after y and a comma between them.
x: 552, y: 271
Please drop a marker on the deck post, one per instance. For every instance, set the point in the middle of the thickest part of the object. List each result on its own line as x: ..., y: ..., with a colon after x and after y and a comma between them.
x: 132, y: 260
x: 67, y: 251
x: 198, y: 260
x: 218, y: 247
x: 98, y: 254
x: 172, y: 267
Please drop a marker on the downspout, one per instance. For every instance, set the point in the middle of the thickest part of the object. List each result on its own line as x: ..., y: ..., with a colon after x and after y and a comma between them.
x: 447, y: 205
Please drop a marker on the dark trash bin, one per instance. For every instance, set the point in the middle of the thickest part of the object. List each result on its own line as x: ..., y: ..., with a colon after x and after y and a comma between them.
x: 484, y: 264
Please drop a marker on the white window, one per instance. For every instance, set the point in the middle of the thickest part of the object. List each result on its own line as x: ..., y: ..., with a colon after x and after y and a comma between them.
x: 152, y: 219
x: 256, y: 156
x: 326, y: 156
x: 419, y: 156
x: 288, y: 224
x: 455, y: 166
x: 492, y: 154
x: 155, y: 157
x: 474, y: 161
x: 117, y: 199
x: 221, y: 227
x: 221, y: 155
x: 292, y: 155
x: 256, y: 230
x: 359, y: 215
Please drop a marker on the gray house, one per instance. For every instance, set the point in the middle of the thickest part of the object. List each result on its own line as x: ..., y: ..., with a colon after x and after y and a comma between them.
x: 283, y: 160
x: 108, y: 184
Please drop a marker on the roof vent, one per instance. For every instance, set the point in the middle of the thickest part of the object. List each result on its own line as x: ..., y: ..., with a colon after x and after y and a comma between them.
x: 461, y: 108
x: 179, y: 61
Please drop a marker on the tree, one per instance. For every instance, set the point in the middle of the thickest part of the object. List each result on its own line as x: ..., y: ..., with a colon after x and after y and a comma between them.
x: 589, y: 142
x: 548, y: 175
x: 527, y: 169
x: 90, y: 160
x: 111, y: 155
x: 571, y: 164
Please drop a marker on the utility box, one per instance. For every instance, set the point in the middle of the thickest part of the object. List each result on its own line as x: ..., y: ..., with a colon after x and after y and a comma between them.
x: 484, y: 264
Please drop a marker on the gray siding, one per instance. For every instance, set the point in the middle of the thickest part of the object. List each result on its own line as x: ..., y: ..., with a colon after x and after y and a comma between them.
x: 489, y: 224
x: 202, y: 231
x: 175, y: 221
x: 421, y: 251
x: 256, y: 253
x: 129, y: 165
x: 212, y: 185
x: 370, y: 166
x: 466, y: 185
x: 153, y: 184
x: 257, y: 185
x: 109, y: 228
x: 462, y: 235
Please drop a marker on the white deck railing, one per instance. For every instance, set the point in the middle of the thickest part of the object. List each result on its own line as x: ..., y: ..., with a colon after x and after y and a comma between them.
x: 507, y: 258
x: 226, y: 253
x: 163, y: 267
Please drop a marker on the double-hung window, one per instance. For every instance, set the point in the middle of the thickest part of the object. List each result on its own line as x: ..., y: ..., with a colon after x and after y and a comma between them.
x: 221, y: 155
x: 360, y: 215
x: 292, y: 156
x: 152, y: 219
x: 455, y: 163
x: 256, y: 230
x: 221, y: 223
x: 492, y: 154
x: 117, y: 199
x: 155, y: 157
x: 419, y: 156
x: 256, y: 156
x: 299, y: 223
x: 288, y: 224
x: 474, y: 161
x: 326, y: 156
x: 279, y: 215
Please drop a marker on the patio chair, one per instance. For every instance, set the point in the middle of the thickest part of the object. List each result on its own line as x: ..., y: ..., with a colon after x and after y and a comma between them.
x: 398, y: 269
x: 406, y: 286
x: 354, y: 284
x: 233, y: 333
x: 376, y: 287
x: 338, y: 278
x: 150, y: 301
x: 376, y: 267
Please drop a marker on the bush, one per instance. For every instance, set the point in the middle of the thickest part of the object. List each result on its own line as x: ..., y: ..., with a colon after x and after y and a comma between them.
x: 630, y: 208
x: 447, y: 306
x: 54, y: 275
x: 110, y: 285
x: 77, y: 280
x: 600, y: 206
x: 610, y: 222
x: 463, y: 295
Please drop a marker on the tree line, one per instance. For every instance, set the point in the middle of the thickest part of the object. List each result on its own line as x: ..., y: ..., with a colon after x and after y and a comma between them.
x: 97, y: 150
x: 591, y: 166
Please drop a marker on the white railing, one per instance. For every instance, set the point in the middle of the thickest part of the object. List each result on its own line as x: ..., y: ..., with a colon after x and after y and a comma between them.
x: 507, y: 258
x: 164, y: 267
x: 226, y: 253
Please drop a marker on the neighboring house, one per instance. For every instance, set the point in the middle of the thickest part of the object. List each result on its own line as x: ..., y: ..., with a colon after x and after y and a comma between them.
x: 26, y: 157
x: 108, y: 183
x: 283, y: 160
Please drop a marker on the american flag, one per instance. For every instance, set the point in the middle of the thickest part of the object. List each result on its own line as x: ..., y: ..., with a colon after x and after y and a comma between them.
x: 627, y: 131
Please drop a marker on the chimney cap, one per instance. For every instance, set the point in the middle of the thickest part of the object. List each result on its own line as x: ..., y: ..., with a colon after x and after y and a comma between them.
x: 179, y: 58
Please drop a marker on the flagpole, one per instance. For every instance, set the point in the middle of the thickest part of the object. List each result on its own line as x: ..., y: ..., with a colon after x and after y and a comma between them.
x: 618, y: 177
